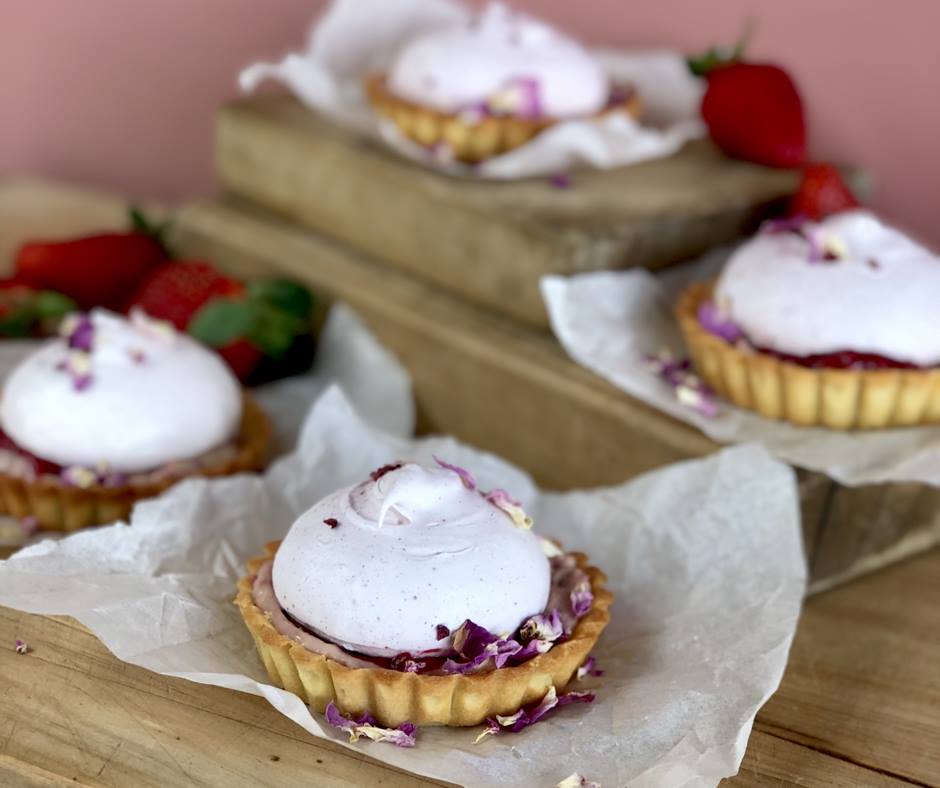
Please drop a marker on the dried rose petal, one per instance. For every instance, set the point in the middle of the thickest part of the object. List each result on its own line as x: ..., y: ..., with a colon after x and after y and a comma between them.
x: 542, y: 627
x: 502, y: 500
x: 577, y: 781
x: 529, y: 715
x: 560, y: 181
x: 442, y: 632
x: 521, y: 97
x: 78, y: 367
x: 332, y: 522
x: 137, y: 355
x: 20, y: 646
x: 408, y: 664
x: 402, y: 736
x: 378, y: 473
x: 716, y: 322
x: 29, y: 525
x: 581, y: 598
x: 159, y: 329
x: 78, y: 331
x: 686, y: 385
x: 77, y: 476
x: 589, y: 668
x: 479, y: 648
x: 786, y: 224
x: 465, y: 476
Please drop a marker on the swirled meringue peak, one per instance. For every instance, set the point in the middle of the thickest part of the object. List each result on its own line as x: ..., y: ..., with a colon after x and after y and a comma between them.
x: 386, y: 566
x: 509, y: 62
x: 129, y: 394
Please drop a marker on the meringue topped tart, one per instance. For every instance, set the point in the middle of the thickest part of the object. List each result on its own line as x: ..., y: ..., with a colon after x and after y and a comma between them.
x: 484, y: 86
x: 476, y: 63
x: 417, y: 597
x: 848, y: 298
x: 121, y: 406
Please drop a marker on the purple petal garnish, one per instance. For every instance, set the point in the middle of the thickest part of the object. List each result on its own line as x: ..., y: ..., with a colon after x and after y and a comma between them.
x: 332, y: 522
x: 365, y: 725
x: 716, y: 322
x: 542, y: 627
x: 408, y: 664
x: 686, y: 385
x: 560, y: 181
x: 442, y: 632
x: 520, y: 97
x: 581, y: 598
x: 378, y: 473
x: 785, y: 224
x: 465, y: 476
x: 529, y: 715
x: 78, y: 476
x: 20, y: 646
x: 29, y: 525
x: 137, y: 355
x: 577, y: 781
x: 502, y: 500
x: 78, y: 331
x: 479, y: 648
x: 589, y: 668
x: 77, y: 366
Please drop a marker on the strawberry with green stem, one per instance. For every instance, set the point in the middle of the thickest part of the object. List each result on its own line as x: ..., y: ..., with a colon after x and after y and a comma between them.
x: 753, y: 110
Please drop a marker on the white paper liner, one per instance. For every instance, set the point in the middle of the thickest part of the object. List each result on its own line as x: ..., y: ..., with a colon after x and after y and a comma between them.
x: 347, y: 354
x: 705, y: 559
x: 356, y: 38
x: 608, y: 321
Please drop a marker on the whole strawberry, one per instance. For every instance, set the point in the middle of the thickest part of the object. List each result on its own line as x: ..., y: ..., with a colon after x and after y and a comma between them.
x: 753, y: 110
x: 822, y: 192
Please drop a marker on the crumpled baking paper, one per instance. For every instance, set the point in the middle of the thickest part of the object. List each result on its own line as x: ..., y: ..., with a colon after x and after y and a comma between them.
x: 357, y: 38
x: 608, y: 321
x: 705, y: 559
x: 347, y: 354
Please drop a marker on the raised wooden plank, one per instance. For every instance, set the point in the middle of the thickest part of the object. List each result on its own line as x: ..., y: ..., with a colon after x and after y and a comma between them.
x: 486, y: 241
x: 512, y: 390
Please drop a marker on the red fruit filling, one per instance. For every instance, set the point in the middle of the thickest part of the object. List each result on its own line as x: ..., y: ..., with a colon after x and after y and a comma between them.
x: 842, y: 359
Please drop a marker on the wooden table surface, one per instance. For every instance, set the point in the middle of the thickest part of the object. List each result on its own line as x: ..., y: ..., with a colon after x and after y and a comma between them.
x: 859, y: 704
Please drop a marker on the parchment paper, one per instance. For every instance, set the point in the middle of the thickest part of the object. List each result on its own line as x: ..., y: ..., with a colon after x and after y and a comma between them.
x: 356, y: 38
x: 347, y: 354
x: 607, y: 321
x: 704, y: 557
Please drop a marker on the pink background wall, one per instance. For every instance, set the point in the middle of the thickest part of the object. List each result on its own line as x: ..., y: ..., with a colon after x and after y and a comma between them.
x: 122, y: 93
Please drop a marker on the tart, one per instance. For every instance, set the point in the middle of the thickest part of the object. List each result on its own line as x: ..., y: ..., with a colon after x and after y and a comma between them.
x: 415, y: 598
x: 480, y: 89
x: 115, y: 410
x: 829, y: 323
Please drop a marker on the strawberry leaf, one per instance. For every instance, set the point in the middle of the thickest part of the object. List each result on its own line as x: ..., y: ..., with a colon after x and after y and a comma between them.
x: 272, y: 330
x: 716, y: 57
x: 51, y: 305
x: 283, y: 294
x: 141, y: 224
x: 223, y: 320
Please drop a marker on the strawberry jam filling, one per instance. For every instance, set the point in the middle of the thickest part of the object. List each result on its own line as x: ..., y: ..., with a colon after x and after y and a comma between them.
x: 842, y: 359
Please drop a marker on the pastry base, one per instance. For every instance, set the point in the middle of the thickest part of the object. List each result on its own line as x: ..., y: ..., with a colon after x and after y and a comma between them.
x: 840, y: 399
x: 471, y: 142
x: 394, y: 697
x: 61, y: 507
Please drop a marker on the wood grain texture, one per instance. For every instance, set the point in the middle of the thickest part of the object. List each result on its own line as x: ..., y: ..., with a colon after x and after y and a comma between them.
x: 859, y: 706
x: 488, y: 242
x: 511, y: 389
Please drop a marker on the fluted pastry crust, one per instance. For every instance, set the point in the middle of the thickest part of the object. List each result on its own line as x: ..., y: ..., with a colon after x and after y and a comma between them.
x: 394, y: 697
x: 836, y: 398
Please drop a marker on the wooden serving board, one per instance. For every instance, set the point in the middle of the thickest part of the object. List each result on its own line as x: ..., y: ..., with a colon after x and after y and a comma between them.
x: 488, y: 242
x: 512, y: 390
